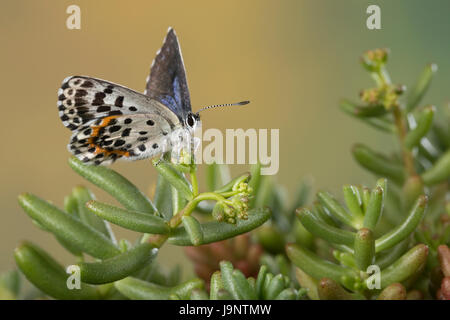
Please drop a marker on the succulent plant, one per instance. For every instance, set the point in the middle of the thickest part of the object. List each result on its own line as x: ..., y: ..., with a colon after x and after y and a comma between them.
x: 376, y: 227
x: 356, y: 248
x: 387, y: 242
x: 240, y: 251
x: 83, y: 229
x: 443, y: 292
x: 231, y: 284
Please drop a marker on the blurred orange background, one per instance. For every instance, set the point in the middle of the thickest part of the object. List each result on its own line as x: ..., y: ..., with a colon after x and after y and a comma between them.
x: 293, y: 59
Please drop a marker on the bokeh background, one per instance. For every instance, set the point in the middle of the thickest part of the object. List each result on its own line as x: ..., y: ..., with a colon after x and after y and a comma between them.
x: 293, y: 59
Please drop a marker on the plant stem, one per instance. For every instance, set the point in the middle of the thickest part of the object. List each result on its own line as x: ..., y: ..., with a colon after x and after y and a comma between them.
x: 400, y: 123
x: 194, y: 181
x: 402, y: 131
x: 159, y: 239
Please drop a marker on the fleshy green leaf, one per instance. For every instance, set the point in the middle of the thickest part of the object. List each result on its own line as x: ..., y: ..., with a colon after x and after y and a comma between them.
x: 48, y: 275
x: 289, y: 294
x: 118, y: 267
x: 137, y: 289
x: 379, y: 123
x: 226, y: 271
x: 198, y: 294
x: 193, y: 229
x: 403, y: 230
x: 132, y: 220
x: 216, y: 231
x: 335, y: 208
x: 255, y: 182
x: 314, y: 266
x: 364, y: 248
x: 215, y: 285
x: 378, y: 164
x: 367, y: 111
x: 71, y: 205
x: 374, y: 208
x: 329, y: 289
x: 420, y: 87
x: 308, y: 283
x: 83, y: 195
x: 178, y: 201
x: 353, y: 201
x: 323, y: 230
x: 323, y: 214
x: 260, y: 280
x: 439, y: 172
x: 386, y: 258
x: 406, y: 266
x: 11, y: 281
x: 395, y: 291
x: 115, y: 184
x: 176, y: 179
x: 68, y: 228
x: 412, y: 189
x: 275, y: 287
x: 424, y: 123
x: 163, y: 197
x: 302, y: 194
x: 264, y: 194
x: 242, y: 286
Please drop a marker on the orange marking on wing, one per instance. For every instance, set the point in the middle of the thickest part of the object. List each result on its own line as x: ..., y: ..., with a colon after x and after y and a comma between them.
x: 98, y: 149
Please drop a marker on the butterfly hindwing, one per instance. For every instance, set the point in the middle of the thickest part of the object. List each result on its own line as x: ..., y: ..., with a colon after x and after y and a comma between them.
x: 131, y: 137
x: 167, y: 82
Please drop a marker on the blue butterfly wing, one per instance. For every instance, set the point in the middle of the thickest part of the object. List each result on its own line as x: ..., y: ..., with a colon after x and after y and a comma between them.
x: 167, y: 81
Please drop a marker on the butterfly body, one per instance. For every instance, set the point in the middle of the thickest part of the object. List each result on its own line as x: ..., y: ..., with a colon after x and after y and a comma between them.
x: 111, y: 122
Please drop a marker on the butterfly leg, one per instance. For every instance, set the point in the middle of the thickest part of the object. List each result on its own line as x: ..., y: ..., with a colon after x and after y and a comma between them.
x: 159, y: 160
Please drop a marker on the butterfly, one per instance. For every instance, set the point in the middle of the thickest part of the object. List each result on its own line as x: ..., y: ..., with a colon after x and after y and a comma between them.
x: 110, y: 122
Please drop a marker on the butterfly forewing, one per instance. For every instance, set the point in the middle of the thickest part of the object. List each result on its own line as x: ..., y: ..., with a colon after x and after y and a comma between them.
x: 167, y: 82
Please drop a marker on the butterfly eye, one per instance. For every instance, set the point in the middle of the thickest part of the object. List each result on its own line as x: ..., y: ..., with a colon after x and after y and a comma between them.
x: 190, y: 120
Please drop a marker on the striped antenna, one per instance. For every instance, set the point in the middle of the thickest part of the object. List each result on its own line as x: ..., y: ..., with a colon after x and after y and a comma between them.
x: 242, y: 103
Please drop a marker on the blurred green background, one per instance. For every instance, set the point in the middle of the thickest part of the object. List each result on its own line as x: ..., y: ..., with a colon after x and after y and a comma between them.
x: 293, y: 59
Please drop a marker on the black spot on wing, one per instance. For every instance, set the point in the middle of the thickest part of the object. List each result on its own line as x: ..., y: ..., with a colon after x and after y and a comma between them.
x: 81, y: 93
x: 98, y: 100
x: 126, y: 132
x: 114, y: 129
x: 86, y: 84
x: 119, y: 142
x: 119, y: 102
x: 115, y: 113
x: 109, y: 89
x: 104, y: 109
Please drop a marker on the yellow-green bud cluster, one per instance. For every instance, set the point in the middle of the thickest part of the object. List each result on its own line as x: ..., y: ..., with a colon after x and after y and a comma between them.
x: 236, y: 207
x: 375, y: 59
x: 387, y: 95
